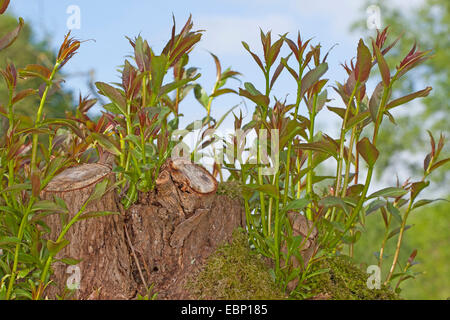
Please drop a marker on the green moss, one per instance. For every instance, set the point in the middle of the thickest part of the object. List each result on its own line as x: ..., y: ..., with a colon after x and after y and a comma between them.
x: 235, y: 272
x: 230, y: 188
x: 345, y: 281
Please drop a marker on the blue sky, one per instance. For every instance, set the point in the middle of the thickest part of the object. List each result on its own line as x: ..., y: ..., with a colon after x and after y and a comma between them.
x: 227, y: 23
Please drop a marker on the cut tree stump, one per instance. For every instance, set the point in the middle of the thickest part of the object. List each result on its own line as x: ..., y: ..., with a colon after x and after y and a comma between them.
x: 105, y: 267
x: 158, y: 241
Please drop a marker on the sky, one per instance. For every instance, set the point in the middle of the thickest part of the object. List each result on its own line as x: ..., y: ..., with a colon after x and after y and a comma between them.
x: 227, y: 23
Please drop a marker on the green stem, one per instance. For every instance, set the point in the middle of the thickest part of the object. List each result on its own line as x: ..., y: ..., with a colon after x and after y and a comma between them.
x: 399, y: 242
x: 309, y: 176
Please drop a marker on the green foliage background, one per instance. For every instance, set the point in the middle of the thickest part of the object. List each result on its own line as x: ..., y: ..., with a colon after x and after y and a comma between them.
x: 429, y: 25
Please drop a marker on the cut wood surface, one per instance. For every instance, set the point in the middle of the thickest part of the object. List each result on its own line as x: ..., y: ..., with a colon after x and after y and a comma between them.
x: 160, y: 240
x: 105, y: 267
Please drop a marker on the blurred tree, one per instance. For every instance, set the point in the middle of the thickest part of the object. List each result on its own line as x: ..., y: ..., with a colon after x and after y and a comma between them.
x: 25, y: 50
x: 429, y: 25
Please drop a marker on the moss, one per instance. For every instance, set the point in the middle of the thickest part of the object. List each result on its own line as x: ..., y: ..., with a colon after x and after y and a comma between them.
x: 345, y: 281
x: 234, y: 271
x: 230, y: 188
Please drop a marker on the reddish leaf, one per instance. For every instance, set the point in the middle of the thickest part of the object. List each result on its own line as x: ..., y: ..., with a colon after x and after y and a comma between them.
x: 368, y: 151
x: 382, y: 65
x: 3, y: 6
x: 363, y: 62
x: 10, y: 37
x: 23, y: 94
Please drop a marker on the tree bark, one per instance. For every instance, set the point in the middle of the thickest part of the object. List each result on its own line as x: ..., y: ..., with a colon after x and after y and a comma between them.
x: 158, y: 241
x: 105, y: 266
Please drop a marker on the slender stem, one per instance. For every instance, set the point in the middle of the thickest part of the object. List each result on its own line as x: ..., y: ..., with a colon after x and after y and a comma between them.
x: 399, y: 242
x: 309, y: 177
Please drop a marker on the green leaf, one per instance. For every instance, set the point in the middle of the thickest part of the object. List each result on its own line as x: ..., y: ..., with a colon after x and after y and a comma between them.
x: 331, y: 201
x: 424, y: 202
x: 268, y: 189
x: 165, y: 89
x: 394, y: 211
x: 9, y: 240
x: 374, y: 206
x: 54, y: 247
x: 201, y: 96
x: 99, y: 190
x: 96, y: 214
x: 106, y: 143
x: 251, y: 88
x: 113, y: 94
x: 396, y: 231
x: 407, y: 98
x: 390, y: 192
x: 70, y: 261
x: 48, y: 205
x: 368, y: 151
x: 297, y: 204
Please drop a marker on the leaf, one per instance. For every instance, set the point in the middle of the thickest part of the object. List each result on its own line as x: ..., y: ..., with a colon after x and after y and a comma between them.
x: 96, y: 214
x: 297, y: 204
x: 9, y: 240
x: 251, y: 88
x: 260, y: 100
x: 23, y: 94
x: 54, y: 247
x: 255, y: 57
x: 394, y: 211
x: 374, y: 102
x: 382, y: 65
x: 35, y: 70
x: 407, y: 98
x: 417, y: 187
x: 113, y: 94
x: 312, y: 76
x: 10, y: 37
x: 424, y: 202
x: 439, y: 163
x: 363, y: 62
x: 70, y: 261
x: 3, y: 6
x: 390, y: 192
x: 374, y: 206
x: 106, y: 143
x: 397, y: 230
x: 368, y: 151
x: 331, y: 201
x: 268, y: 189
x: 99, y: 190
x: 176, y: 84
x: 48, y: 205
x: 201, y: 96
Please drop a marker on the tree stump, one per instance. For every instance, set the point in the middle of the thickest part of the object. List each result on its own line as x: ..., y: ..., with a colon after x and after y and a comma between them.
x: 158, y: 241
x: 99, y: 243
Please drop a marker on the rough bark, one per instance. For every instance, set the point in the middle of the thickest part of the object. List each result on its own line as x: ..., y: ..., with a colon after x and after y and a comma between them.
x: 175, y: 229
x: 105, y: 266
x: 159, y: 240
